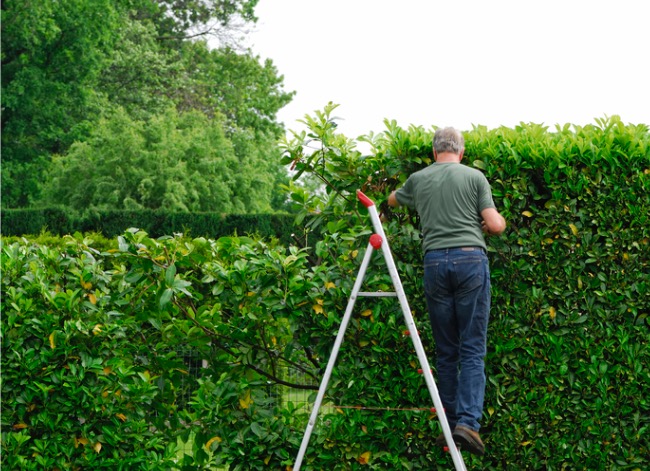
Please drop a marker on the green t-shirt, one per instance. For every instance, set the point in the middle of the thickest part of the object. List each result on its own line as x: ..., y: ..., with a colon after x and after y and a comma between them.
x: 449, y: 198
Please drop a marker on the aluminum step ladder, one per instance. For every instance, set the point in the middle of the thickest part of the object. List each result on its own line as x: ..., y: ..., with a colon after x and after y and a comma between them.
x: 377, y: 242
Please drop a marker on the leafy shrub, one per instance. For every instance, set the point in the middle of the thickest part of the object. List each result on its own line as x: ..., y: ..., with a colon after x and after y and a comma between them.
x: 568, y: 352
x: 568, y: 338
x: 75, y: 391
x: 20, y: 222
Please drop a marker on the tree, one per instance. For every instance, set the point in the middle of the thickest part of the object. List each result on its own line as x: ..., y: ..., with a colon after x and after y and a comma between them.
x: 141, y: 74
x: 176, y: 162
x: 52, y: 53
x: 179, y: 20
x: 246, y: 92
x: 71, y: 66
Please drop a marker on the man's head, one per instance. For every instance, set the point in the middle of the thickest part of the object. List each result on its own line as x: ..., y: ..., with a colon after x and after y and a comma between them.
x: 448, y: 140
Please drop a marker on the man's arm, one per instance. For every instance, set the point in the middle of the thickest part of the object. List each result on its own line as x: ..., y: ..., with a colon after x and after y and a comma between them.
x: 392, y: 200
x: 493, y: 223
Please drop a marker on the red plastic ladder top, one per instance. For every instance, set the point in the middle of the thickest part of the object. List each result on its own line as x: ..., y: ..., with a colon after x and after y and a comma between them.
x: 367, y: 202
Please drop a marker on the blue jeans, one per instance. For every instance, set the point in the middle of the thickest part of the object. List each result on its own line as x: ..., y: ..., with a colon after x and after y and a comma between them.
x: 457, y: 289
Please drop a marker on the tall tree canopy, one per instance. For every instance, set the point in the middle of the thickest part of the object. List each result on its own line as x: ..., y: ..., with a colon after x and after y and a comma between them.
x: 52, y: 54
x: 184, y: 19
x: 72, y: 67
x: 173, y: 162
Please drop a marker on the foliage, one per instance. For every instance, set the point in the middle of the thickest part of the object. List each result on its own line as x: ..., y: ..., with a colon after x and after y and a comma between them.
x: 253, y: 94
x: 173, y: 162
x: 46, y: 238
x: 52, y: 53
x: 568, y: 351
x: 76, y: 391
x: 141, y: 75
x: 570, y: 276
x: 71, y: 69
x: 63, y: 371
x: 28, y: 222
x: 180, y: 19
x: 18, y: 222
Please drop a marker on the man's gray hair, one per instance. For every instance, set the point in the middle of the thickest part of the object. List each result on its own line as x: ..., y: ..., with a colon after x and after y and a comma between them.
x: 448, y: 140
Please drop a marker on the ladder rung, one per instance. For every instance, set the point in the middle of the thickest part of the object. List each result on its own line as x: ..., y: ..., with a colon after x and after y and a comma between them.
x: 377, y: 293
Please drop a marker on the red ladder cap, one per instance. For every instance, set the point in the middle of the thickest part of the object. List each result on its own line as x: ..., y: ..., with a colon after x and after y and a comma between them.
x: 367, y: 202
x: 376, y: 241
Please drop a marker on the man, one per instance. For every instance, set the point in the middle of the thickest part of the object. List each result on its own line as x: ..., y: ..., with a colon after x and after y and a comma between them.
x: 455, y: 206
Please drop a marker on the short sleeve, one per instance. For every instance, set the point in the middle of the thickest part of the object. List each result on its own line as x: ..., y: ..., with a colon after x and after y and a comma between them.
x: 405, y: 195
x: 485, y: 195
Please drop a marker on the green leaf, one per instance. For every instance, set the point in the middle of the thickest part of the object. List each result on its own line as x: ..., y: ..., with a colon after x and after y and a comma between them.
x: 182, y: 285
x: 258, y: 430
x: 170, y: 274
x: 166, y: 297
x: 122, y: 244
x: 479, y: 164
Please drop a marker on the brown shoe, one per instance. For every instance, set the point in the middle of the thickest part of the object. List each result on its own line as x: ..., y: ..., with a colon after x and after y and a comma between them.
x: 469, y: 440
x: 441, y: 441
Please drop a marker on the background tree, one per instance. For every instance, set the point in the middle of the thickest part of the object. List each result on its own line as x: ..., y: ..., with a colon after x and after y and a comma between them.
x: 69, y: 68
x: 176, y: 162
x: 52, y: 54
x: 140, y: 71
x: 178, y: 20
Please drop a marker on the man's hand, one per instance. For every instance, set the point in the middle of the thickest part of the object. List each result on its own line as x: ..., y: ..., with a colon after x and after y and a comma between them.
x: 392, y: 200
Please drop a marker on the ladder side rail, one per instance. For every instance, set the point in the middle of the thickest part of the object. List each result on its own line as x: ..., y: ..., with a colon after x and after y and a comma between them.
x: 332, y: 360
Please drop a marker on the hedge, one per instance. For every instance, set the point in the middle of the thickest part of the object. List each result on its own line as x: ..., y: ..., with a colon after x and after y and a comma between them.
x: 568, y: 349
x: 57, y: 221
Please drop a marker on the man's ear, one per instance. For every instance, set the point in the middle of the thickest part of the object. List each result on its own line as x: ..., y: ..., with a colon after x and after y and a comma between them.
x: 460, y: 156
x: 435, y: 155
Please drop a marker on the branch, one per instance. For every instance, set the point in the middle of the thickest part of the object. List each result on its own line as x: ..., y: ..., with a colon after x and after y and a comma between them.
x: 229, y: 351
x: 184, y: 37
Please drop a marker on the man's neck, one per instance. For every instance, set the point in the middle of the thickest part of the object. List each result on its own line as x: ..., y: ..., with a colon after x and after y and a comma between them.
x: 447, y: 158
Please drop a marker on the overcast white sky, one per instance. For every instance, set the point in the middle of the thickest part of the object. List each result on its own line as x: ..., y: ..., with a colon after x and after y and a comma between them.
x: 459, y: 62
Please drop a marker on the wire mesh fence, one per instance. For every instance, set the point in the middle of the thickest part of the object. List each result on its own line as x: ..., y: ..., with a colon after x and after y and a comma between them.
x: 300, y: 399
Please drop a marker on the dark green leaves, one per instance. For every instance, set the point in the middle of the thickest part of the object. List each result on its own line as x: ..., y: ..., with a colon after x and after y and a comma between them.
x: 569, y: 278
